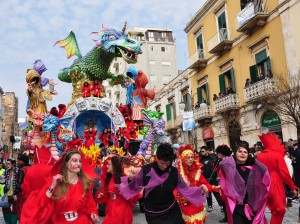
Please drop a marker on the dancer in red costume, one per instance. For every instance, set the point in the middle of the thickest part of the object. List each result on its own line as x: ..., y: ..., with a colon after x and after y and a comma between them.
x: 190, y: 171
x: 104, y: 137
x: 273, y: 158
x: 96, y: 88
x: 86, y: 90
x: 66, y: 197
x: 90, y: 136
x: 118, y: 210
x: 34, y: 181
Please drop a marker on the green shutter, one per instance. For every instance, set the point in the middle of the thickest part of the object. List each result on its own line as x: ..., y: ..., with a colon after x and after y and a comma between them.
x: 168, y: 111
x: 232, y: 80
x: 207, y: 93
x: 261, y: 56
x: 200, y: 42
x: 222, y: 20
x: 199, y: 94
x: 222, y: 83
x: 253, y: 73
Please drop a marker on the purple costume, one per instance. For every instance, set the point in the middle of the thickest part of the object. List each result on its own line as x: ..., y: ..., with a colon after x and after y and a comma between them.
x: 160, y: 204
x: 252, y: 194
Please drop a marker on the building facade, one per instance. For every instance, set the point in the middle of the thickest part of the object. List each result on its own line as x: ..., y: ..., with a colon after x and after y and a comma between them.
x: 235, y: 51
x: 10, y: 127
x: 158, y: 60
x: 1, y: 116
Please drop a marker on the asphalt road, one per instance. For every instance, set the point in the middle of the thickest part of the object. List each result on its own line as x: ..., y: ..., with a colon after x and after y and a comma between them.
x: 291, y: 216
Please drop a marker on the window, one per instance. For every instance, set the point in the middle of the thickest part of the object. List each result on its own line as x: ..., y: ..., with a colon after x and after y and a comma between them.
x: 222, y: 26
x: 227, y: 83
x: 170, y: 111
x: 167, y: 49
x: 152, y: 77
x: 203, y: 94
x: 163, y: 49
x: 166, y: 63
x: 151, y: 48
x: 199, y: 40
x: 166, y: 79
x: 187, y: 101
x: 262, y: 67
x: 152, y: 62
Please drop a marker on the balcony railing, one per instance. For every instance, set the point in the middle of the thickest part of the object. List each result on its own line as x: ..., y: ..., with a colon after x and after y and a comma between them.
x: 201, y: 114
x: 260, y: 89
x: 255, y: 14
x: 225, y: 103
x: 197, y: 60
x: 160, y: 39
x: 220, y: 42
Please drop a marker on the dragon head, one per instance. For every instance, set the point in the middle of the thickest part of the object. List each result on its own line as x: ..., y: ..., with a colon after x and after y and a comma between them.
x: 50, y: 124
x: 119, y: 44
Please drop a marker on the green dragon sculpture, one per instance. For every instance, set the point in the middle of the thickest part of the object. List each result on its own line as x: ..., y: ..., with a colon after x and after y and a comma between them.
x: 95, y: 64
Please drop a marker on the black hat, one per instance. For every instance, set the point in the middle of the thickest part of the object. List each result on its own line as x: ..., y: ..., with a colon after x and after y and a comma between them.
x: 23, y: 158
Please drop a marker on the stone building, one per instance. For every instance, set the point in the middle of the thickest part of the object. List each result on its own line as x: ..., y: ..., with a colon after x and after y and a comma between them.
x: 10, y: 123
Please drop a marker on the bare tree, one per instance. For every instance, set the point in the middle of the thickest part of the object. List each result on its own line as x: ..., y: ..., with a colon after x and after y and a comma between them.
x: 286, y: 99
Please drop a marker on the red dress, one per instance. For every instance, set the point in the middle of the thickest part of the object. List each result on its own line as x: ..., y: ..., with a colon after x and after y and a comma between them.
x: 49, y: 211
x: 104, y: 138
x: 96, y: 89
x: 86, y: 91
x: 118, y: 210
x: 90, y: 137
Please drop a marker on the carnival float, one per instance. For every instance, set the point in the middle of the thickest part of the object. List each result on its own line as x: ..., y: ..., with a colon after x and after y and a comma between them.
x: 90, y: 122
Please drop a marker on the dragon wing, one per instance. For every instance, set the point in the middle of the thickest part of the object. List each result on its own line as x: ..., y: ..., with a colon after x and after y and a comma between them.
x: 70, y: 45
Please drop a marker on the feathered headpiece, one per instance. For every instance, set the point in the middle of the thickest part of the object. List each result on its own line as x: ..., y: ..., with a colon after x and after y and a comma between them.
x: 272, y: 143
x: 184, y: 150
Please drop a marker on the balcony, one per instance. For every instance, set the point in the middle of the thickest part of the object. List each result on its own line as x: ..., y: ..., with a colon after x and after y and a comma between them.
x: 220, y: 42
x: 252, y: 16
x: 197, y: 60
x: 260, y: 90
x: 226, y: 103
x: 202, y: 114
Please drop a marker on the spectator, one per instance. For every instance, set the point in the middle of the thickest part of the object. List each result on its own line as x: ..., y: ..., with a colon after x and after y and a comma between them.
x: 269, y: 74
x: 23, y: 165
x: 215, y: 97
x: 210, y: 173
x: 248, y: 83
x: 11, y: 189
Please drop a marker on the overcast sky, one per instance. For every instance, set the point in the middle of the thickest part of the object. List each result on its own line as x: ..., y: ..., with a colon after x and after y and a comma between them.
x: 29, y: 28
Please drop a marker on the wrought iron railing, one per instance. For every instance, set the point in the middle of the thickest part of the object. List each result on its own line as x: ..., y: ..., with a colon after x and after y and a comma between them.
x: 228, y: 102
x: 222, y: 35
x: 259, y: 89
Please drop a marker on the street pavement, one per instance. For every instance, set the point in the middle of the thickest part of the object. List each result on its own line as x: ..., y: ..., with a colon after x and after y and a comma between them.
x: 291, y: 216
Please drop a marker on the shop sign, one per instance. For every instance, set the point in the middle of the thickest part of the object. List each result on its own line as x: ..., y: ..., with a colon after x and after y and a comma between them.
x: 207, y: 133
x: 270, y: 118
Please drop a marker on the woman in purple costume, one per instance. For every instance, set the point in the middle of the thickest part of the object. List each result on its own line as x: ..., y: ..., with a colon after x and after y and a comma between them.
x: 245, y: 183
x: 159, y: 179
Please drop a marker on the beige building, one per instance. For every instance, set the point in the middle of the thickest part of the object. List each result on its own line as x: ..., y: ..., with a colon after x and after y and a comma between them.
x: 10, y: 127
x: 158, y: 60
x: 228, y: 43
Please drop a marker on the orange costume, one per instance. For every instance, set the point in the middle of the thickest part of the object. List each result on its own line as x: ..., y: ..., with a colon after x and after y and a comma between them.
x: 192, y: 176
